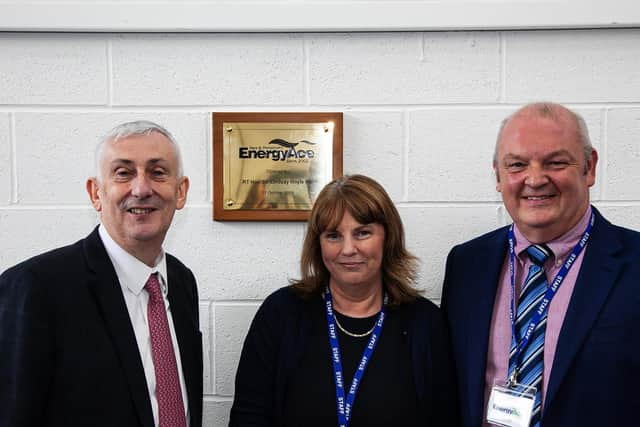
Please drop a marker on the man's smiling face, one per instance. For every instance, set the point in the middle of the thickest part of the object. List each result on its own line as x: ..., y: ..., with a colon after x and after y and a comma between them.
x: 138, y: 191
x: 543, y: 175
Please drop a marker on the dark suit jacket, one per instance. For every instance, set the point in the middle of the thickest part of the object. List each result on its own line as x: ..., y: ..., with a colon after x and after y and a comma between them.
x: 596, y: 369
x: 68, y: 353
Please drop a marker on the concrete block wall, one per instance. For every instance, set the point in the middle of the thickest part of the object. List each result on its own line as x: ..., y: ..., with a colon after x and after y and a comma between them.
x: 421, y: 111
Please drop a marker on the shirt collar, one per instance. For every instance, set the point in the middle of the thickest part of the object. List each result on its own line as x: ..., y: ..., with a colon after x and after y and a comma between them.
x: 560, y: 246
x: 132, y: 272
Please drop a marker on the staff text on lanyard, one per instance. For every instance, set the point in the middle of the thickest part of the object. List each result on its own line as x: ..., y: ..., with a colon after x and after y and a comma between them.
x: 345, y: 405
x: 548, y: 296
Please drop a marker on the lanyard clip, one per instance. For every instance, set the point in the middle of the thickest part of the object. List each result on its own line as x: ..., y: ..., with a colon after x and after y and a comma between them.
x: 512, y: 378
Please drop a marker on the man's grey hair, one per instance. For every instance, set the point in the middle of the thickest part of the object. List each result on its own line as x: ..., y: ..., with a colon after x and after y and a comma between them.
x: 126, y: 130
x: 552, y: 111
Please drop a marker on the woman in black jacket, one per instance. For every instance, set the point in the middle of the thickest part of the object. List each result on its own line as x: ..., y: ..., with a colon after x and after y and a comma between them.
x: 351, y: 342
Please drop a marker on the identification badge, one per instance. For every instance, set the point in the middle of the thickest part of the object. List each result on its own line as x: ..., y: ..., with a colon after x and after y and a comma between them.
x: 511, y: 406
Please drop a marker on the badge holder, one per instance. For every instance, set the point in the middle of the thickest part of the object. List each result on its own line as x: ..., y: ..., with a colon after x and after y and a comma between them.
x: 511, y: 405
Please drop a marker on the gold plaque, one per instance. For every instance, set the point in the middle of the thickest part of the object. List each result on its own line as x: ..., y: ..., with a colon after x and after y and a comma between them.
x: 271, y: 166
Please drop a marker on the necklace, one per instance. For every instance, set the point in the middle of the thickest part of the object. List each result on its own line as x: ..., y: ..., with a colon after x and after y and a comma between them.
x: 351, y: 334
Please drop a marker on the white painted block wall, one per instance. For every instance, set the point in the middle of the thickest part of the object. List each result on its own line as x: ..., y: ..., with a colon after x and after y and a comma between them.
x: 421, y: 112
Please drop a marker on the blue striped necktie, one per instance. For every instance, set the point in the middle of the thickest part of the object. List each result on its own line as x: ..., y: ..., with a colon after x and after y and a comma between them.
x: 531, y: 361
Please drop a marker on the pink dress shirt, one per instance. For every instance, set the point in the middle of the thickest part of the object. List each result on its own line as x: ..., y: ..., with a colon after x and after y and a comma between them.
x: 500, y: 334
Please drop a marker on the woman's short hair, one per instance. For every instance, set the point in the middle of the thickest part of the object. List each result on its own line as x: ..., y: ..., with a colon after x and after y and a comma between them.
x: 367, y: 202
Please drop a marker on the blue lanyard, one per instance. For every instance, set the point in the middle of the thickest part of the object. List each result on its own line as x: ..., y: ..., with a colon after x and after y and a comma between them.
x: 549, y: 294
x: 345, y: 405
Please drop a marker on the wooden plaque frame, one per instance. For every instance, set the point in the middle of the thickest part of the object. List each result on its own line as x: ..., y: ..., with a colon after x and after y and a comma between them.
x: 253, y: 214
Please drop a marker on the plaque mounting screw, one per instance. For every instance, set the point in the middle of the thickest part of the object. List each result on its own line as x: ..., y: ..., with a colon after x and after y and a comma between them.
x: 229, y: 129
x: 326, y: 128
x: 229, y: 203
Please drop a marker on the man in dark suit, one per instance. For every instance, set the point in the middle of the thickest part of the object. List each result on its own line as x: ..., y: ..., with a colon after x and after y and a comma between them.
x: 578, y: 352
x: 105, y: 332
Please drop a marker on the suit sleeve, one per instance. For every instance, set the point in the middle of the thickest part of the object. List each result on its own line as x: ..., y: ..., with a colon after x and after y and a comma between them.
x: 448, y: 272
x: 27, y: 349
x: 253, y: 403
x: 450, y: 400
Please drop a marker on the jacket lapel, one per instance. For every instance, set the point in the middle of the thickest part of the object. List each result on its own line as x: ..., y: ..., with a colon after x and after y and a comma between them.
x: 103, y: 283
x: 598, y: 273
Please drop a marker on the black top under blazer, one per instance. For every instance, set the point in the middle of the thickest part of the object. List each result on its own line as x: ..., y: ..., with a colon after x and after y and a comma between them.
x: 277, y: 339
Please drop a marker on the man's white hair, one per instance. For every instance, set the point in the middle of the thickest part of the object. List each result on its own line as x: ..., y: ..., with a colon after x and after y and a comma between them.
x: 126, y: 130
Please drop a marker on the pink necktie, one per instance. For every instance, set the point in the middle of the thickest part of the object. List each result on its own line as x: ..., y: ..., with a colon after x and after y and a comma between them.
x: 168, y: 392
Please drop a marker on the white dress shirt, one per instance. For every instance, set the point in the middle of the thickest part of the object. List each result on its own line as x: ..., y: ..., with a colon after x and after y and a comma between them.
x: 132, y: 275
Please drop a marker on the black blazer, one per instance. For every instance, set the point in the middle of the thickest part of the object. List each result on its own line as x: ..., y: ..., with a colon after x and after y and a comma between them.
x: 596, y: 368
x: 277, y: 340
x: 68, y: 353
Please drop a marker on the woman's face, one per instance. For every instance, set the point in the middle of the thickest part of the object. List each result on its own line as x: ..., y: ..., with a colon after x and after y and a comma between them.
x: 353, y: 253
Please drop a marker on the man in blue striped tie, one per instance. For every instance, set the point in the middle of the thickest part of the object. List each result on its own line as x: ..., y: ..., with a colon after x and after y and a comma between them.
x: 544, y: 314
